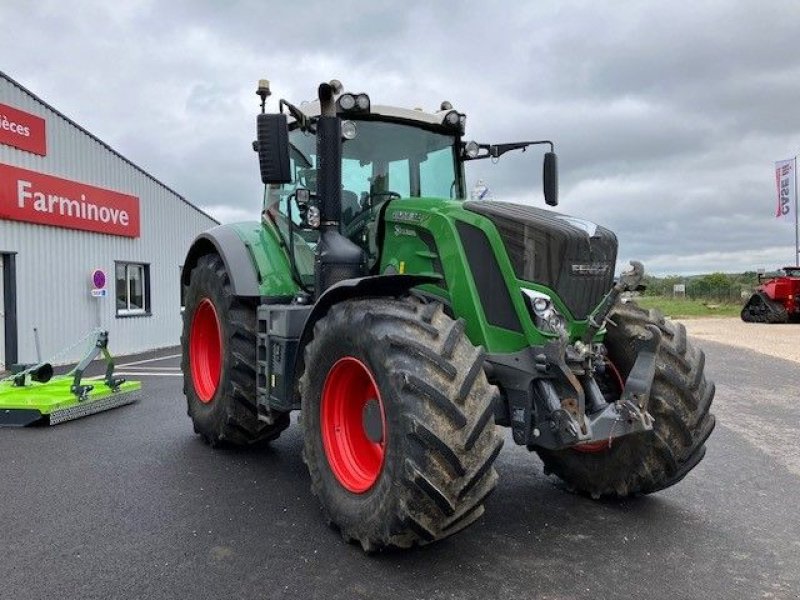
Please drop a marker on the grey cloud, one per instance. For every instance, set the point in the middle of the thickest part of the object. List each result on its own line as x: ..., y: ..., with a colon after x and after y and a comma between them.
x: 667, y: 117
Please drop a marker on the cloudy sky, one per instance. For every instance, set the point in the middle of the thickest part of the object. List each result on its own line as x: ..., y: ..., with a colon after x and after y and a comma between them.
x: 667, y: 116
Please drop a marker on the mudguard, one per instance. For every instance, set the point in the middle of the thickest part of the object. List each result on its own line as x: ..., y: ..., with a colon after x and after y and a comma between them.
x: 225, y: 241
x: 374, y: 286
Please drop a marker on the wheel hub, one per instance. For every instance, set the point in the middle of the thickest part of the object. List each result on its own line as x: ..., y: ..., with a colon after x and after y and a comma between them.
x: 372, y: 420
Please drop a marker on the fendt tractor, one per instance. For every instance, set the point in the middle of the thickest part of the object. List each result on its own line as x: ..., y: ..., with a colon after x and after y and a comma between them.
x: 405, y: 322
x: 776, y: 299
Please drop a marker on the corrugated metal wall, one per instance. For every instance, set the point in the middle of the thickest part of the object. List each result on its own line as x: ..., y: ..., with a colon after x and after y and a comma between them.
x: 54, y: 264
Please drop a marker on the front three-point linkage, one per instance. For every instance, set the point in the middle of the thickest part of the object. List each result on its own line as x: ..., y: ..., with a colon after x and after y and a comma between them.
x: 578, y: 412
x: 630, y: 410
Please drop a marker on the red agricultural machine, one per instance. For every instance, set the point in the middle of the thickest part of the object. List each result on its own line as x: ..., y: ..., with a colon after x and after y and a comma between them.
x: 776, y: 299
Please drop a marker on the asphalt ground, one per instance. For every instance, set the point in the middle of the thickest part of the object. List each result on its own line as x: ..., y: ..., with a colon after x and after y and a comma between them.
x: 130, y: 504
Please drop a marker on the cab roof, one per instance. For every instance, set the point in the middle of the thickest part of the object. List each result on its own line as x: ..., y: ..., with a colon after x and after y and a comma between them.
x: 312, y: 109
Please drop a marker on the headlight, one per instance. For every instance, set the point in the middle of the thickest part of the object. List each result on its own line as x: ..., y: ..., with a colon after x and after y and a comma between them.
x: 540, y: 305
x: 545, y: 314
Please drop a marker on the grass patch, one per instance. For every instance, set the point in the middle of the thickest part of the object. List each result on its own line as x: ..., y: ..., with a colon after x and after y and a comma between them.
x: 679, y: 308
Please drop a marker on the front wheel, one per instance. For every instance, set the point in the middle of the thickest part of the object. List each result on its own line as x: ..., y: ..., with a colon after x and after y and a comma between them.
x: 680, y: 399
x: 219, y: 360
x: 399, y: 433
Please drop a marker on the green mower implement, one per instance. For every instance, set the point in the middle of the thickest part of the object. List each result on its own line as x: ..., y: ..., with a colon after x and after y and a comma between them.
x: 32, y: 395
x: 407, y: 322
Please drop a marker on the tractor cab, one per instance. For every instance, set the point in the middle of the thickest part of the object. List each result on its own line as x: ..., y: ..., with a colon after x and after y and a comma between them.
x: 792, y: 271
x: 386, y: 153
x: 383, y: 153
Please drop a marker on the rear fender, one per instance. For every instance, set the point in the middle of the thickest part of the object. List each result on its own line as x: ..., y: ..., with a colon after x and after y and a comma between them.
x: 224, y: 241
x: 255, y: 261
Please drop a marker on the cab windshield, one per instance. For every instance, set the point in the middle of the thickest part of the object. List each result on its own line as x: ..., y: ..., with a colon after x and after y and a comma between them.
x: 382, y: 160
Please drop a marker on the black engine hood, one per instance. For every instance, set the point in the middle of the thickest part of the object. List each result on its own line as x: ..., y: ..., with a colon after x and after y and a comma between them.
x: 572, y: 256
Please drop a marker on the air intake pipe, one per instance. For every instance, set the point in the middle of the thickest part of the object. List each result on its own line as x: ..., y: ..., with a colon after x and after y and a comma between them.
x: 336, y: 258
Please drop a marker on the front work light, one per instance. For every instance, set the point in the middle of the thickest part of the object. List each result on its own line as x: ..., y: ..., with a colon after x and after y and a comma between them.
x: 313, y: 217
x: 347, y: 102
x: 353, y: 103
x: 348, y: 130
x: 452, y: 118
x: 455, y: 120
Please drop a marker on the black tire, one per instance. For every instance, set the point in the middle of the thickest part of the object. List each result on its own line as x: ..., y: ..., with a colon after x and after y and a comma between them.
x: 440, y: 438
x: 229, y: 416
x: 679, y: 402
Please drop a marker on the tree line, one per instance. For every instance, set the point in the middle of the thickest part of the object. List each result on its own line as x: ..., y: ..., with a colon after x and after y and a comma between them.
x: 717, y: 287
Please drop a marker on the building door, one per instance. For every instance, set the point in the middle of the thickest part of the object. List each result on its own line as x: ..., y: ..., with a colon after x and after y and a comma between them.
x: 8, y: 310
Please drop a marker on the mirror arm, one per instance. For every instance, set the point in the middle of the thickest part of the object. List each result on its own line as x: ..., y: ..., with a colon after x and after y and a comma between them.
x: 497, y: 150
x: 295, y: 112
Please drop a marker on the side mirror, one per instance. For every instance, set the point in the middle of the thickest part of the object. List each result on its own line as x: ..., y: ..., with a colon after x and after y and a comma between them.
x: 272, y: 146
x: 550, y: 178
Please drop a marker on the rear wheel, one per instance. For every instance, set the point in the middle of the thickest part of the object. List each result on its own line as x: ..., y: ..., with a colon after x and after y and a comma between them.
x: 219, y: 360
x: 679, y: 403
x: 399, y: 433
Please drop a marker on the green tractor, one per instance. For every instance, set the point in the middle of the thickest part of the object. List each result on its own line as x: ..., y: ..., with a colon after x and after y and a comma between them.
x: 407, y: 322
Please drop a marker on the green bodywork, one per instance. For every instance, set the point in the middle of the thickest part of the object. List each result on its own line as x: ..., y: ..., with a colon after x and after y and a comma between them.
x: 270, y: 259
x: 419, y: 234
x: 407, y: 251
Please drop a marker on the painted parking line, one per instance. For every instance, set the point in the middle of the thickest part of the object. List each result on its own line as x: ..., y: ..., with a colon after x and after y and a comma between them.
x: 149, y: 368
x: 148, y: 373
x: 148, y: 360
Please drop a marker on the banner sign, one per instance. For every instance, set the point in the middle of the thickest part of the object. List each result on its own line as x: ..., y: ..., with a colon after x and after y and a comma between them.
x: 787, y: 192
x: 22, y: 130
x: 46, y: 200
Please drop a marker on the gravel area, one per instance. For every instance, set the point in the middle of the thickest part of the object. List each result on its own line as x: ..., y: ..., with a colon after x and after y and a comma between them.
x: 781, y: 341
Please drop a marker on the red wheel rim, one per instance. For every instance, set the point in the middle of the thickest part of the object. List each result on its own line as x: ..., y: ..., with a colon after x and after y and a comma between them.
x: 356, y: 460
x: 594, y: 447
x: 205, y: 351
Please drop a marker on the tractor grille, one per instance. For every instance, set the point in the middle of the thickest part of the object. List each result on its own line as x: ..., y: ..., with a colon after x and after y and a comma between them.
x: 571, y: 256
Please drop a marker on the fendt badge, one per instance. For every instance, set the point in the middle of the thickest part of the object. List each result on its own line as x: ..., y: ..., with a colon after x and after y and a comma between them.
x: 590, y: 269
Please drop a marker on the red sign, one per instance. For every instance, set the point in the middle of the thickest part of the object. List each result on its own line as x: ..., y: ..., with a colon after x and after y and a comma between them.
x: 47, y: 200
x: 22, y: 130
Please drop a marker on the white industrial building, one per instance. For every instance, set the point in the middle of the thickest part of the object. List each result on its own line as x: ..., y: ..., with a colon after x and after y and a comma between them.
x: 87, y: 239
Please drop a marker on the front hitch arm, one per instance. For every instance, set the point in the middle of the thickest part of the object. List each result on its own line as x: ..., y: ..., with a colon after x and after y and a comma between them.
x: 629, y: 413
x: 628, y: 281
x: 640, y: 379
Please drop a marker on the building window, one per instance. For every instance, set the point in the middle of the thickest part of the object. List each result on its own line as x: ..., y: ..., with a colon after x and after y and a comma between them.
x: 133, y: 289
